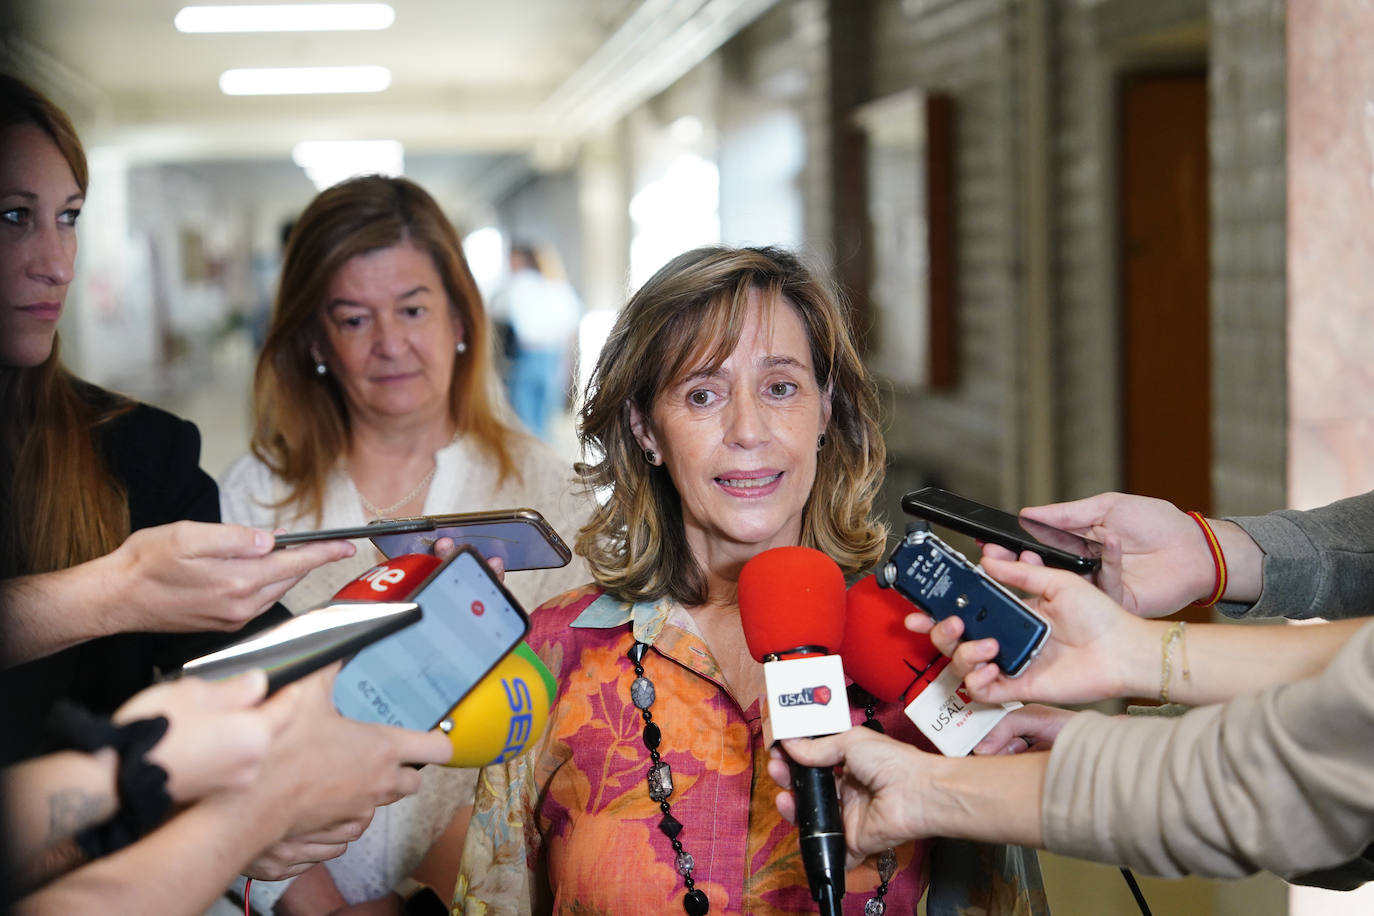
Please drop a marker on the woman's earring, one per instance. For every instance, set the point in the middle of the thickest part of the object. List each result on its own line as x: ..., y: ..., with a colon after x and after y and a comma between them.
x: 820, y: 442
x: 461, y: 348
x: 321, y: 368
x: 651, y: 456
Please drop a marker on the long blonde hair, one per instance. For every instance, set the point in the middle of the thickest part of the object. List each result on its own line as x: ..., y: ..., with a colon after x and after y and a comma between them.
x: 59, y: 503
x: 301, y: 423
x: 692, y: 312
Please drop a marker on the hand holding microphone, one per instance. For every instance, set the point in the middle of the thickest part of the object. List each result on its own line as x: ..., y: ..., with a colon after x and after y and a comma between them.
x: 791, y: 602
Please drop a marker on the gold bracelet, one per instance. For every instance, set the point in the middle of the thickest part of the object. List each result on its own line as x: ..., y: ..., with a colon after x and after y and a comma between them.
x: 1177, y: 633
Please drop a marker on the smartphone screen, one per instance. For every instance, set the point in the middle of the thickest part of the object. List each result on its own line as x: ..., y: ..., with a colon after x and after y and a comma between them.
x: 1058, y: 548
x: 415, y: 676
x: 520, y: 537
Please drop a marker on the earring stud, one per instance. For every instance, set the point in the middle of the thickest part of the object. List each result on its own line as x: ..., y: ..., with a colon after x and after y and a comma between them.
x: 651, y: 456
x: 462, y: 347
x: 321, y: 369
x: 820, y: 441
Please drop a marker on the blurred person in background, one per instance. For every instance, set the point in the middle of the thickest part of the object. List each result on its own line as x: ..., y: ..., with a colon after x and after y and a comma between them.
x: 542, y: 311
x: 375, y: 397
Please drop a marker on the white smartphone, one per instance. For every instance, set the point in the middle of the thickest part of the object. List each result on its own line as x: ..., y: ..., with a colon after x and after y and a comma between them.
x: 415, y: 676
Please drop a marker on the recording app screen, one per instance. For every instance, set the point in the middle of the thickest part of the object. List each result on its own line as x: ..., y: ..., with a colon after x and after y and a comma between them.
x: 413, y: 677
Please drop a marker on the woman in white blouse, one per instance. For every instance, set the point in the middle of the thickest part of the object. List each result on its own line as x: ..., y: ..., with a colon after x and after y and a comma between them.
x: 375, y: 397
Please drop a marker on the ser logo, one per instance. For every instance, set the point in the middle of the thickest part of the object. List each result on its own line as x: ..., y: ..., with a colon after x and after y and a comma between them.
x: 807, y: 696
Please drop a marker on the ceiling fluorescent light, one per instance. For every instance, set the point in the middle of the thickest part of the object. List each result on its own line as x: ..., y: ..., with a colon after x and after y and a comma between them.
x: 304, y: 80
x: 288, y: 17
x: 327, y: 162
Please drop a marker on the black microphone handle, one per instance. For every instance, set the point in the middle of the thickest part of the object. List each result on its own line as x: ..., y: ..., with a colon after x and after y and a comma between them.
x: 821, y: 834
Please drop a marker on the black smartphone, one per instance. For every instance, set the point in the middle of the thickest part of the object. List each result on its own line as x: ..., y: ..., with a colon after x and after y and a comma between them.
x: 942, y: 582
x: 522, y: 538
x: 395, y: 525
x: 296, y: 647
x: 1056, y: 547
x: 415, y: 676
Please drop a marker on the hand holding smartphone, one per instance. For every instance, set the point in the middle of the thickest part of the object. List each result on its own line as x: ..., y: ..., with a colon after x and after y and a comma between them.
x: 1056, y: 547
x: 521, y: 538
x: 942, y: 582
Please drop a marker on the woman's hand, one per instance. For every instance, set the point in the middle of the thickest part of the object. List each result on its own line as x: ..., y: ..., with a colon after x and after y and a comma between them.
x: 325, y: 774
x: 1164, y: 563
x: 1029, y: 728
x: 217, y: 735
x: 445, y: 548
x: 1095, y: 648
x: 879, y: 789
x: 196, y: 576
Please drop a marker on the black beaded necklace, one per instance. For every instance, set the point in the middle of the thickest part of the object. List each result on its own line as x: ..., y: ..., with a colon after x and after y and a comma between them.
x: 887, y: 860
x: 660, y: 779
x: 661, y: 783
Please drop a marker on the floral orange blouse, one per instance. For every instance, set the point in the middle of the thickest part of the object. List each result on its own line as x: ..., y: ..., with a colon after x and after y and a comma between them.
x: 570, y: 827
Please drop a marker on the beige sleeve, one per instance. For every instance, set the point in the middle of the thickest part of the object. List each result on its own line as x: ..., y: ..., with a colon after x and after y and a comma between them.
x: 1281, y: 780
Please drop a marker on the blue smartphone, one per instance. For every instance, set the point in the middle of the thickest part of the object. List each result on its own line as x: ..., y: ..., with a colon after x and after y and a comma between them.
x: 942, y: 582
x: 413, y: 677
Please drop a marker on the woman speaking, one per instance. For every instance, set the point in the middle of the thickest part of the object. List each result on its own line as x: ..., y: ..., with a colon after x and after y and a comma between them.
x: 729, y: 413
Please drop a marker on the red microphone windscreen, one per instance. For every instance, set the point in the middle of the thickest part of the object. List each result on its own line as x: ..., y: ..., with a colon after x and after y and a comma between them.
x: 392, y: 580
x: 879, y: 653
x: 791, y: 597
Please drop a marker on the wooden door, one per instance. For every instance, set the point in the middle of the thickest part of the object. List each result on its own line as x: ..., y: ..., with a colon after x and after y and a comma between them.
x: 1165, y: 237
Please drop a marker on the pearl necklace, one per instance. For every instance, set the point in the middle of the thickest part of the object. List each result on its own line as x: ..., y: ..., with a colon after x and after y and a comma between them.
x: 381, y: 513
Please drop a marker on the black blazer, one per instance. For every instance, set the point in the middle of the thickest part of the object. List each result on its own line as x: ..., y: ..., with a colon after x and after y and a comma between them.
x: 157, y: 458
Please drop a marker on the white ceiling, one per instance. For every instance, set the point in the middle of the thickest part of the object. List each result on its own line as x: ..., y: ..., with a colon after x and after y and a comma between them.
x: 486, y: 76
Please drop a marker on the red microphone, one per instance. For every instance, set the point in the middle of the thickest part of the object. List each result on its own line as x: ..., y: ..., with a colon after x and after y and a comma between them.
x: 791, y: 604
x: 880, y: 654
x: 393, y: 580
x: 894, y: 664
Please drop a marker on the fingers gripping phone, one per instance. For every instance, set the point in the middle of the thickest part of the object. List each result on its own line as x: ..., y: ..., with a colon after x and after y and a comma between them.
x: 942, y: 582
x: 415, y: 676
x: 522, y: 538
x: 1056, y: 547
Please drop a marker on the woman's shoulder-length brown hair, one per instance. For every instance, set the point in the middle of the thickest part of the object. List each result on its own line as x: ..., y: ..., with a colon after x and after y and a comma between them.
x: 59, y: 503
x: 689, y: 315
x: 301, y: 424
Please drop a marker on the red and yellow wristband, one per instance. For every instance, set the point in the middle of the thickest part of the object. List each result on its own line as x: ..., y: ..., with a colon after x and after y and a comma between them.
x: 1218, y: 561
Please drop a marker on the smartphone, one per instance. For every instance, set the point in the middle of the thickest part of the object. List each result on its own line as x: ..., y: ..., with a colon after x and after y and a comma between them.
x: 395, y: 525
x: 415, y: 676
x: 1056, y: 547
x: 942, y: 582
x: 522, y: 538
x: 296, y: 647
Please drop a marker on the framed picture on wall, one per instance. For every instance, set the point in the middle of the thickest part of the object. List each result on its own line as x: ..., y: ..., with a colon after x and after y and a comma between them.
x: 909, y: 141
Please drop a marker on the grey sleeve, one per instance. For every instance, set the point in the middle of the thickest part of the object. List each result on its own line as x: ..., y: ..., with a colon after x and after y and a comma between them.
x: 1317, y: 563
x: 1281, y: 780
